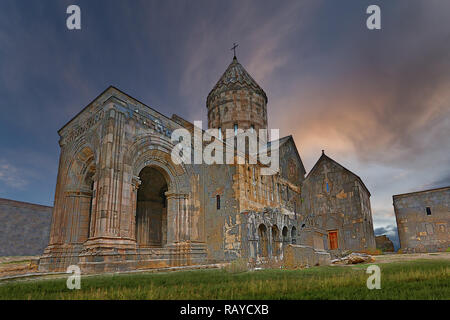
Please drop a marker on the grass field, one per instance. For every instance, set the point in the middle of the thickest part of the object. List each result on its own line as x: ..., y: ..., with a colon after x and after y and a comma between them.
x: 421, y: 279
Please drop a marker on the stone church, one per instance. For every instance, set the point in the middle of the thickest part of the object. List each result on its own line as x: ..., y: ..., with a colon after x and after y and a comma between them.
x: 121, y: 203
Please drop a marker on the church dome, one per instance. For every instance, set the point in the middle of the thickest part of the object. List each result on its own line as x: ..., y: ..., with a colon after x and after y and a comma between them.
x: 235, y: 78
x: 236, y: 102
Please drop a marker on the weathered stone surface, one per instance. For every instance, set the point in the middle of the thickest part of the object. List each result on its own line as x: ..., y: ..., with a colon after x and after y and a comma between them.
x: 24, y: 228
x: 298, y: 256
x: 384, y: 243
x: 423, y: 220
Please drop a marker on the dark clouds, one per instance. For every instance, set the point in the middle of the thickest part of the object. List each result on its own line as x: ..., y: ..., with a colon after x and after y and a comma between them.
x: 376, y: 101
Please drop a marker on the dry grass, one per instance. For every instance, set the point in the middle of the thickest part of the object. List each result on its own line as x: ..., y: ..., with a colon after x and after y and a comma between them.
x: 429, y: 279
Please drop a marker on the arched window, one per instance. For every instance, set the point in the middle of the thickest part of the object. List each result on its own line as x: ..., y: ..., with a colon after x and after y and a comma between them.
x: 285, y: 234
x: 262, y: 233
x: 275, y: 241
x: 218, y: 202
x: 294, y: 235
x: 235, y: 129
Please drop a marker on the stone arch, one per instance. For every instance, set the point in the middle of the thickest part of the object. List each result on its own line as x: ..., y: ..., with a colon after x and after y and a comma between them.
x: 275, y: 232
x: 155, y: 151
x: 263, y: 241
x: 285, y: 234
x: 294, y: 235
x: 76, y: 216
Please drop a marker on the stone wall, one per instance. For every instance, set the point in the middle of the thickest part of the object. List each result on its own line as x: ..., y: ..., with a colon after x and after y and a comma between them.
x: 24, y: 228
x: 423, y: 220
x: 298, y: 256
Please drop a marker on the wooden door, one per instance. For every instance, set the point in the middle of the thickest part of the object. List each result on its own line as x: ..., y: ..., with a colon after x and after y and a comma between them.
x: 333, y: 240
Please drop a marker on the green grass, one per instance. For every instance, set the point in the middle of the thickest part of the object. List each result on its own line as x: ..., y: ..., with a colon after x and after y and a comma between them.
x: 421, y: 279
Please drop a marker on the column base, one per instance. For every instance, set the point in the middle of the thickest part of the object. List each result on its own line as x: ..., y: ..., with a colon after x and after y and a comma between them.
x: 105, y: 255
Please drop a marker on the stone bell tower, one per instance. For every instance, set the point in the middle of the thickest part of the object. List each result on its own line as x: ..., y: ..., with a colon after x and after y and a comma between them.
x: 237, y: 101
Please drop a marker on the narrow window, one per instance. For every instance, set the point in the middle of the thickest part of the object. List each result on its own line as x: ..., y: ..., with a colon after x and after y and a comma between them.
x: 273, y: 188
x: 328, y: 187
x: 428, y: 211
x: 295, y: 210
x: 252, y: 128
x: 218, y: 202
x: 235, y: 129
x: 220, y: 133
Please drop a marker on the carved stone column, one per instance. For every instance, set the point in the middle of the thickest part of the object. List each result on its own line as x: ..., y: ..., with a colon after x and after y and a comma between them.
x: 177, y: 217
x: 135, y: 183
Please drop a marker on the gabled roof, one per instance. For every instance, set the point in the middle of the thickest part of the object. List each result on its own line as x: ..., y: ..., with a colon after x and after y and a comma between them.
x: 235, y: 77
x: 326, y: 158
x: 283, y: 141
x: 111, y: 88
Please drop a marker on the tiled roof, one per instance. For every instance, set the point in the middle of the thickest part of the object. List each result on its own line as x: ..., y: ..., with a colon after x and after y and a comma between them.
x: 235, y: 78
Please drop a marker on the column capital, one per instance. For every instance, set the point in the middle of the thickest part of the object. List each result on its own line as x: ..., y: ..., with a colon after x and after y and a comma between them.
x: 135, y: 182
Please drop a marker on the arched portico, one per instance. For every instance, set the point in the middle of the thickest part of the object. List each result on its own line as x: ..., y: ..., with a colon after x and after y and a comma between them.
x: 175, y: 215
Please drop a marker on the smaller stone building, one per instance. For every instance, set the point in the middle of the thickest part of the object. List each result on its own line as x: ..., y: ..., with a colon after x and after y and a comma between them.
x: 423, y: 219
x: 336, y: 200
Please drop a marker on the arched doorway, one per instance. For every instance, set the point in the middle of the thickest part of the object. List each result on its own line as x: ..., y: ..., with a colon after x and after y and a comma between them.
x: 262, y: 233
x: 285, y: 235
x: 151, y: 209
x: 275, y: 241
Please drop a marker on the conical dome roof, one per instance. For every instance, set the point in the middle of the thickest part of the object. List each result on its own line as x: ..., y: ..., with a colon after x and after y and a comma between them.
x: 235, y: 78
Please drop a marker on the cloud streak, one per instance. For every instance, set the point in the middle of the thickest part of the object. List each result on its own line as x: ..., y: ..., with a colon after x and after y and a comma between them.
x: 10, y: 176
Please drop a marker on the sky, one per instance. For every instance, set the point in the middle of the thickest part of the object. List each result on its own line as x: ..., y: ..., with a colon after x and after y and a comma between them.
x: 377, y: 101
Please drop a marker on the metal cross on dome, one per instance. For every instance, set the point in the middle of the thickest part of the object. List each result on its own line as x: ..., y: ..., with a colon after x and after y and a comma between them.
x: 234, y: 48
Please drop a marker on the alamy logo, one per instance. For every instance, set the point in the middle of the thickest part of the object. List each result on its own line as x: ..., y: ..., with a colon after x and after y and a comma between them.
x: 74, y: 281
x: 189, y: 150
x: 73, y: 21
x: 374, y: 281
x: 374, y: 20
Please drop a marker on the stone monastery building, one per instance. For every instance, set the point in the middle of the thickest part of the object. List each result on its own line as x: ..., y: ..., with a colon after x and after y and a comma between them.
x: 121, y: 203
